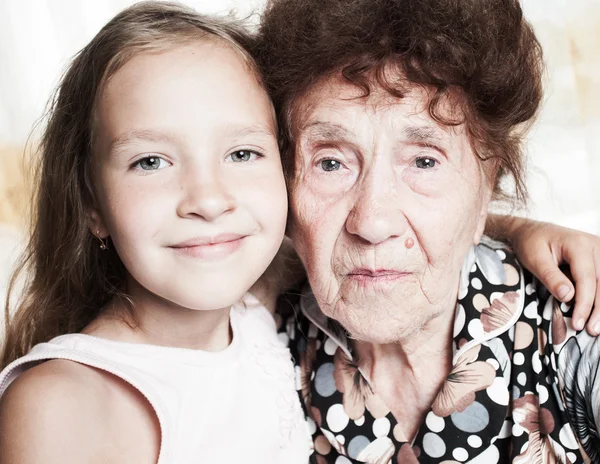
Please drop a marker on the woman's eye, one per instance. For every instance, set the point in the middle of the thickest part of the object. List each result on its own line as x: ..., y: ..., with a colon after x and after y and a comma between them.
x: 151, y: 163
x: 241, y: 156
x: 330, y: 165
x: 425, y: 163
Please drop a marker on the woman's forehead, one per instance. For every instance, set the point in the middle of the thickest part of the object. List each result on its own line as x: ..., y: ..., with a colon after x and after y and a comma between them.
x: 337, y: 109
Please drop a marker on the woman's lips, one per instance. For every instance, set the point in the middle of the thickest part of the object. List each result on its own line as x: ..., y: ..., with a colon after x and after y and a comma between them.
x: 370, y: 276
x: 216, y: 247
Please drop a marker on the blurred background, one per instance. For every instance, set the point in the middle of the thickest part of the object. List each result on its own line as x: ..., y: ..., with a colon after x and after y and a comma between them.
x: 38, y: 37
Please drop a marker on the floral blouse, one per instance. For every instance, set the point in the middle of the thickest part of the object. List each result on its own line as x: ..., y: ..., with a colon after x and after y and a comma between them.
x: 523, y: 387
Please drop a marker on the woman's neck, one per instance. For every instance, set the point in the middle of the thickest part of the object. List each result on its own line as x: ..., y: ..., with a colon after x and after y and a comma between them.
x: 150, y: 319
x: 407, y: 375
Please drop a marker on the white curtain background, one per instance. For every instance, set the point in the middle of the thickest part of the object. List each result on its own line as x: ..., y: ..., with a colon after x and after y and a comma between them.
x: 38, y: 37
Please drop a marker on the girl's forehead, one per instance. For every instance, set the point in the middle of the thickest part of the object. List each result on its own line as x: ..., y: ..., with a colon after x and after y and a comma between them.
x: 189, y: 54
x: 194, y: 87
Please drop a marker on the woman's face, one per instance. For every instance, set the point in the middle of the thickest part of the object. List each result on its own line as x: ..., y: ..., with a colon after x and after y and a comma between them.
x: 385, y: 205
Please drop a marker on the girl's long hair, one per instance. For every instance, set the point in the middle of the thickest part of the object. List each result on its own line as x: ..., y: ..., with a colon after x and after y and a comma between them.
x: 67, y: 278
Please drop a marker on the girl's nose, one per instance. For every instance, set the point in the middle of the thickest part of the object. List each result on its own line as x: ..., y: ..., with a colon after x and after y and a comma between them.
x: 206, y: 195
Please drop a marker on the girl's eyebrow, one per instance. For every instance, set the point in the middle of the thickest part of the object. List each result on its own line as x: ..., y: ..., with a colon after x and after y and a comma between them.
x: 157, y: 136
x: 239, y: 131
x: 139, y: 135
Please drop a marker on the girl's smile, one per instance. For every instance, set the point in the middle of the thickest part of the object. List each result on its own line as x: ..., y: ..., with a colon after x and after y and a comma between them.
x: 211, y: 248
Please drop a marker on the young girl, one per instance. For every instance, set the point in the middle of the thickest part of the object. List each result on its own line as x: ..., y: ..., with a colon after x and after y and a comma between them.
x: 161, y: 201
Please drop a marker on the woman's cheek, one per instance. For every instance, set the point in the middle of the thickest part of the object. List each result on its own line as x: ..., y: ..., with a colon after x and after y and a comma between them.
x: 315, y: 227
x: 329, y: 190
x: 428, y: 183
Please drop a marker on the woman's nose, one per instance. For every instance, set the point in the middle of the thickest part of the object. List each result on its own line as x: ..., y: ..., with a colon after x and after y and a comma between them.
x: 376, y: 215
x: 205, y: 195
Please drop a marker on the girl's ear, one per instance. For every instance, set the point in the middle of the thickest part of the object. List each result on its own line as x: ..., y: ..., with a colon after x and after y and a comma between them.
x: 96, y: 224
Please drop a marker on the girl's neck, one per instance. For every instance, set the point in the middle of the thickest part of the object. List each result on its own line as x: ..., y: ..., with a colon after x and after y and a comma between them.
x: 150, y: 319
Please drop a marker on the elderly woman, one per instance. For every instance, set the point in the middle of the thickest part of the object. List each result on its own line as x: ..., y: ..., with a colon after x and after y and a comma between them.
x: 419, y: 339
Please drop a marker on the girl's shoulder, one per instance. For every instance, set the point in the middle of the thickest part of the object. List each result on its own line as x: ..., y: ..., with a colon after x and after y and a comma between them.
x: 49, y: 408
x: 63, y: 411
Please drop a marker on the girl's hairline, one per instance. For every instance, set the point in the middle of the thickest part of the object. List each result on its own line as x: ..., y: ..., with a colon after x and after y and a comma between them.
x: 167, y: 45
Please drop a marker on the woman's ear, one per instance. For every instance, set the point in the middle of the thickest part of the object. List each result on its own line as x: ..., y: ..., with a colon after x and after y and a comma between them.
x: 481, y: 220
x: 487, y: 188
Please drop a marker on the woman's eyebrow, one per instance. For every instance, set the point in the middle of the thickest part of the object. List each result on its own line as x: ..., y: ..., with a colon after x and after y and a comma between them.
x: 426, y: 136
x: 422, y: 134
x: 327, y: 131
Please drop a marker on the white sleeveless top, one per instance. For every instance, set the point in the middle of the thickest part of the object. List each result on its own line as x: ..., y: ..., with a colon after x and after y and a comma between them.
x: 236, y: 405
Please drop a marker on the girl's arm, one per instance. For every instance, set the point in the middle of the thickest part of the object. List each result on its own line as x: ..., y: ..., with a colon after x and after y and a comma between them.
x: 541, y: 247
x: 62, y: 412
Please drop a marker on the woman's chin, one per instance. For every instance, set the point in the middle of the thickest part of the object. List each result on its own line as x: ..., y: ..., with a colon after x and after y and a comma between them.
x: 378, y: 326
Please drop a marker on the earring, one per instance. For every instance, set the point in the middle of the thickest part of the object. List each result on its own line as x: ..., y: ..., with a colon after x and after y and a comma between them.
x: 103, y: 245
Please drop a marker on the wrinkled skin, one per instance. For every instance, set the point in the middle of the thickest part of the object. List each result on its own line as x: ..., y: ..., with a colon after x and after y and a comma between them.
x: 385, y: 204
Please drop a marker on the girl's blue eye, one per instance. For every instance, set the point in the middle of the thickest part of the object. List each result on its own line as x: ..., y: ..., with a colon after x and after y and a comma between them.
x: 425, y: 163
x: 151, y: 163
x: 329, y: 165
x: 242, y: 156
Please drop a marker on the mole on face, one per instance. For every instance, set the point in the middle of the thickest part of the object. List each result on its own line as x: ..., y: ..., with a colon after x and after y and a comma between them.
x: 409, y: 243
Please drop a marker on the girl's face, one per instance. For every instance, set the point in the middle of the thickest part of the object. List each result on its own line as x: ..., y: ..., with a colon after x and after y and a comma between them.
x: 188, y: 176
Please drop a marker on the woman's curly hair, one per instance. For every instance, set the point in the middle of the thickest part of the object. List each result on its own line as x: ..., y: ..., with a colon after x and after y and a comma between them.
x: 483, y: 50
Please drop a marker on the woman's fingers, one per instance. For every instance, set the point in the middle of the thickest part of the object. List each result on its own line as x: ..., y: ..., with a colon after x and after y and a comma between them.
x: 543, y: 263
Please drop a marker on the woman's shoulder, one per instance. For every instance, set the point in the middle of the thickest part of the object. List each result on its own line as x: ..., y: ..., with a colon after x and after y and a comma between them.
x: 58, y: 410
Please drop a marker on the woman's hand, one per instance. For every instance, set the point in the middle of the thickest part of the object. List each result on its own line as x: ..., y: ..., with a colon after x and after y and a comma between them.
x: 541, y: 247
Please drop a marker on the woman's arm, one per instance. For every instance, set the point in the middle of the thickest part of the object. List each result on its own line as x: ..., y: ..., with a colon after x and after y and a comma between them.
x: 541, y: 247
